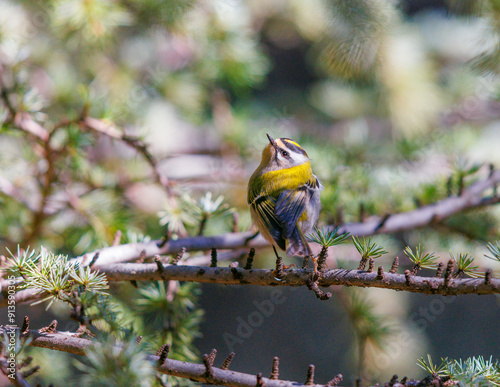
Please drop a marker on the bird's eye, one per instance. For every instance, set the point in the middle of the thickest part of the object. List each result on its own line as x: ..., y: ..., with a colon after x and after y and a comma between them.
x: 285, y: 153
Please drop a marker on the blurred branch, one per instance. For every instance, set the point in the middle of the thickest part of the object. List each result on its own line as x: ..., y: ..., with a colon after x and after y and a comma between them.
x: 474, y: 110
x: 9, y: 189
x: 112, y: 131
x: 204, y: 373
x: 23, y: 121
x: 46, y: 180
x: 471, y: 197
x: 20, y: 120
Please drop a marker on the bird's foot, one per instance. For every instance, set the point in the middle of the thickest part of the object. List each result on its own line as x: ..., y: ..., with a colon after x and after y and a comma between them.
x: 319, y: 267
x: 315, y: 267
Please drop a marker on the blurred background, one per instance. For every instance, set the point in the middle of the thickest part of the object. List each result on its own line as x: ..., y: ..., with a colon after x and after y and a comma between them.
x: 396, y: 103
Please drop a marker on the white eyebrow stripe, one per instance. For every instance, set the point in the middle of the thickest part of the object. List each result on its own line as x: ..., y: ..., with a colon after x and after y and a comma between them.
x: 299, y: 158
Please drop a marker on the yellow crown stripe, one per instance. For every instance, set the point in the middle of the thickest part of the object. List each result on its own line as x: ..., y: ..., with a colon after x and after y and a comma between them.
x: 293, y: 142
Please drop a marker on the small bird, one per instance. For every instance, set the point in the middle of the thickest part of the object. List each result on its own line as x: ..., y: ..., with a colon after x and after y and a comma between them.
x: 283, y: 195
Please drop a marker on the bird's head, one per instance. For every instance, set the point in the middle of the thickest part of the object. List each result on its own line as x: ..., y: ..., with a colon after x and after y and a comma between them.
x: 282, y: 153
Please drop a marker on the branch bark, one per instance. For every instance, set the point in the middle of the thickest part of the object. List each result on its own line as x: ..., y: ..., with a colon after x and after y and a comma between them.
x: 299, y: 277
x: 67, y: 342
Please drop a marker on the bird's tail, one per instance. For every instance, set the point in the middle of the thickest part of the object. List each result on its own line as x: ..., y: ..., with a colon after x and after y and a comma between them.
x: 297, y: 244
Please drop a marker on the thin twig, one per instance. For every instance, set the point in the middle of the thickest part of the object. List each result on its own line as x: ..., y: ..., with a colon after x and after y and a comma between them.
x: 136, y: 143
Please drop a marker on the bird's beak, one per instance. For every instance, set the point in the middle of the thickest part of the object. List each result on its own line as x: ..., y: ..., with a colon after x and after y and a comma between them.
x: 272, y: 141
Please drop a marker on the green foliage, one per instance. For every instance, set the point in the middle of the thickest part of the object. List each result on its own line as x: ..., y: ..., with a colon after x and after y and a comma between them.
x: 367, y: 249
x: 478, y: 225
x: 87, y: 23
x: 462, y: 169
x: 355, y: 31
x: 21, y: 260
x: 369, y: 327
x: 464, y: 265
x: 206, y: 208
x: 327, y: 238
x: 419, y: 259
x: 430, y: 367
x: 182, y: 215
x: 494, y: 250
x: 169, y: 315
x: 178, y: 215
x: 160, y: 12
x: 55, y: 366
x: 367, y: 324
x: 19, y: 344
x: 55, y: 275
x: 474, y: 371
x: 103, y: 312
x: 115, y: 363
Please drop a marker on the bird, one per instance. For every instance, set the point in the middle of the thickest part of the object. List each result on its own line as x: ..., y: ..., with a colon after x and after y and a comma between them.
x: 284, y: 197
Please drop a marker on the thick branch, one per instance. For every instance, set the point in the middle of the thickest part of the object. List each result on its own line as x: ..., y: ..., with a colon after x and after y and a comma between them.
x: 299, y: 277
x: 472, y: 197
x: 67, y: 342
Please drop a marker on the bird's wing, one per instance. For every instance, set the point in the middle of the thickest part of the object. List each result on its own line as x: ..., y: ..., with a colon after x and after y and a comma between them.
x: 290, y: 206
x: 264, y: 206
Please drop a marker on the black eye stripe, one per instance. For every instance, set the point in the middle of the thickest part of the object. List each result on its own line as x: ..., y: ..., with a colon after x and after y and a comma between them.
x: 291, y: 146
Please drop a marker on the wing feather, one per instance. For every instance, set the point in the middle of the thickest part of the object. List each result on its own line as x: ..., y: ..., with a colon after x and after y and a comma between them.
x: 290, y: 206
x: 265, y: 206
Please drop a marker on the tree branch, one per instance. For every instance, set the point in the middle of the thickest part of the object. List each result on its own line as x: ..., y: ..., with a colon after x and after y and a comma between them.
x: 113, y: 132
x: 472, y: 197
x: 20, y: 120
x: 299, y: 277
x: 68, y: 342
